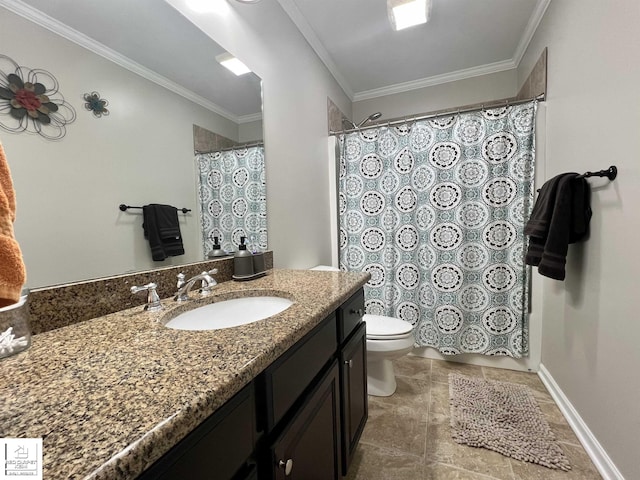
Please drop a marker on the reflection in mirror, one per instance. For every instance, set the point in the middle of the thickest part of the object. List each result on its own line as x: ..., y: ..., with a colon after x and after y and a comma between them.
x: 159, y: 74
x: 233, y: 202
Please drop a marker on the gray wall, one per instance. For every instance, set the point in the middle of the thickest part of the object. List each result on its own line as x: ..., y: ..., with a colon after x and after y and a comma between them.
x: 591, y: 328
x: 453, y: 94
x: 250, y: 132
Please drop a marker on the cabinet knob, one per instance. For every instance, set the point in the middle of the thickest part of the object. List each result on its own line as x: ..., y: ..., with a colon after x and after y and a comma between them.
x: 359, y: 311
x: 288, y: 466
x: 349, y: 362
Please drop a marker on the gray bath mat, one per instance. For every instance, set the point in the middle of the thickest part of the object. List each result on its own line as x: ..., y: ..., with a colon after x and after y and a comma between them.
x: 503, y: 417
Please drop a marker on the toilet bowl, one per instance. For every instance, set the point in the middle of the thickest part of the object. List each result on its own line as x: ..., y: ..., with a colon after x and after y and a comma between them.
x: 388, y: 338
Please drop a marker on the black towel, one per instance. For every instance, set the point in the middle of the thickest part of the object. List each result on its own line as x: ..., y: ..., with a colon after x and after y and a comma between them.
x: 560, y: 216
x: 161, y: 228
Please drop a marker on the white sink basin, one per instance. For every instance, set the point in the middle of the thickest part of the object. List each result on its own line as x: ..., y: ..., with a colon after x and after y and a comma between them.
x: 229, y: 313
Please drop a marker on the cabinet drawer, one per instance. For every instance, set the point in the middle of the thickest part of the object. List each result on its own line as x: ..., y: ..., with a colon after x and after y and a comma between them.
x: 292, y: 373
x: 218, y: 448
x: 350, y: 315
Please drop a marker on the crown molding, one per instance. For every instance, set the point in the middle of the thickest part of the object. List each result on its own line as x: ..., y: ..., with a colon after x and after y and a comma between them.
x: 530, y: 30
x: 317, y: 46
x: 254, y: 117
x: 59, y: 28
x: 514, y: 62
x: 309, y: 34
x: 435, y: 80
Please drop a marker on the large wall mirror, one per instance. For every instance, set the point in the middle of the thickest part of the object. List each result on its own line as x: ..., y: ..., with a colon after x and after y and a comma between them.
x: 164, y: 89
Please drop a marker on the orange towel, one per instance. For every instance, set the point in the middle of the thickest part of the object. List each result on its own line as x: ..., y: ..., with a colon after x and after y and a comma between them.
x: 12, y: 271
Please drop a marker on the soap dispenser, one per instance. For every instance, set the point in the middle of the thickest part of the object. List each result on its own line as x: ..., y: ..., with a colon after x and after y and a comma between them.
x: 243, y: 261
x: 217, y: 250
x: 258, y: 257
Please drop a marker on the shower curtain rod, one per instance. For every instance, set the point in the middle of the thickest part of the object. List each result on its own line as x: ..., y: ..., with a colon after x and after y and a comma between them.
x: 443, y: 113
x: 236, y: 147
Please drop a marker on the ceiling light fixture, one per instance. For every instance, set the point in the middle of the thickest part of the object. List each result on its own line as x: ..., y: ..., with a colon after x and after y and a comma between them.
x: 407, y: 13
x: 247, y: 1
x: 232, y: 63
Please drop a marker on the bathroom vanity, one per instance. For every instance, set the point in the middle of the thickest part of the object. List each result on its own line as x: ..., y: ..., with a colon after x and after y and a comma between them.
x: 301, y: 417
x: 124, y: 397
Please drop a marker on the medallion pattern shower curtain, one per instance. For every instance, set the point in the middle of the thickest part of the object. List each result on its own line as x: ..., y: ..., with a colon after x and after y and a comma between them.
x: 233, y: 199
x: 435, y: 212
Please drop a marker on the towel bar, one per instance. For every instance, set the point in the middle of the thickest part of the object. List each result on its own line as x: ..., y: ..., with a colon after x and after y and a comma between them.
x: 611, y: 173
x: 124, y: 208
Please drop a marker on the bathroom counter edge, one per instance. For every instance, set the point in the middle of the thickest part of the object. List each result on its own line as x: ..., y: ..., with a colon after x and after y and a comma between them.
x: 111, y: 395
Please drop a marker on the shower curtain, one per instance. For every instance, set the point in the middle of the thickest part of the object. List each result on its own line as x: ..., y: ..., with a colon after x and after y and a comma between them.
x: 233, y: 201
x: 435, y: 211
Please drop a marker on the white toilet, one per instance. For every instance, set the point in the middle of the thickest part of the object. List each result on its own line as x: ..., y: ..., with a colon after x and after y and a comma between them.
x: 388, y: 338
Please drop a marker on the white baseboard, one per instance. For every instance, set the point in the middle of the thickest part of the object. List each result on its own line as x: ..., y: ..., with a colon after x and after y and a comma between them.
x: 598, y: 456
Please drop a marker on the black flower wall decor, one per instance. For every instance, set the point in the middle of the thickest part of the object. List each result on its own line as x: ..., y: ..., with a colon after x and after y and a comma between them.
x: 30, y: 101
x: 95, y: 104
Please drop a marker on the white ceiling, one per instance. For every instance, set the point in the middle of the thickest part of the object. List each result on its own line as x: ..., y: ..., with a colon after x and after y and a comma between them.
x: 463, y: 38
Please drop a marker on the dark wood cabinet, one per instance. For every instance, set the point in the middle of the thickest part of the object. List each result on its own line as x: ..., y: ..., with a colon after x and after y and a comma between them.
x: 350, y: 315
x: 290, y: 375
x: 354, y: 401
x: 301, y: 418
x: 249, y: 472
x: 218, y: 448
x: 309, y: 446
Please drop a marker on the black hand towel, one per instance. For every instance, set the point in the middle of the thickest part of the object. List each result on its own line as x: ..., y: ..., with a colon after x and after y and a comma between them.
x: 560, y: 216
x: 161, y: 228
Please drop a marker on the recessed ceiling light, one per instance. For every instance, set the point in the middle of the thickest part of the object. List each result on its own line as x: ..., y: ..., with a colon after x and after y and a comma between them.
x: 407, y: 13
x: 232, y: 63
x: 247, y: 1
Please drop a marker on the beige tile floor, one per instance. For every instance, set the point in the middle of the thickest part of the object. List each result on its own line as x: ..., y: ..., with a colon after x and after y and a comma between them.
x: 407, y: 436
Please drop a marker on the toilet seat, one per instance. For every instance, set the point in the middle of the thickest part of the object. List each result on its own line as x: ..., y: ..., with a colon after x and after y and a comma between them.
x: 380, y: 327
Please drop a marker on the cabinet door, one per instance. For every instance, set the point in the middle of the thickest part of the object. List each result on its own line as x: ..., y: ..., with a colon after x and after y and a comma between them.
x: 291, y: 374
x: 218, y: 448
x: 309, y: 447
x: 354, y: 401
x: 250, y: 473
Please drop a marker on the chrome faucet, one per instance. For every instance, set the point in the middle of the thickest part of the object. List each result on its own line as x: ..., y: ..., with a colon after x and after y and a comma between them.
x: 206, y: 285
x: 153, y: 300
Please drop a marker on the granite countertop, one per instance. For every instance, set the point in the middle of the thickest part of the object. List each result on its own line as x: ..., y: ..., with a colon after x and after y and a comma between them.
x: 111, y: 395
